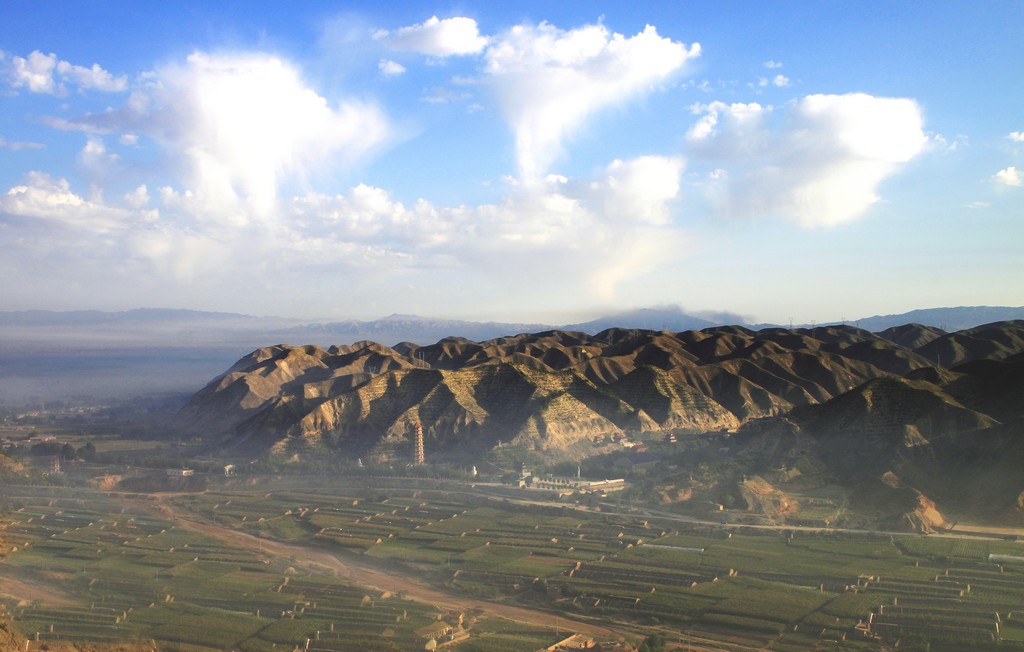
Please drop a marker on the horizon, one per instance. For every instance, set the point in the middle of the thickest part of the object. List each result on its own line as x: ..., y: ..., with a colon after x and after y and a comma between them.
x: 718, y: 318
x: 535, y: 164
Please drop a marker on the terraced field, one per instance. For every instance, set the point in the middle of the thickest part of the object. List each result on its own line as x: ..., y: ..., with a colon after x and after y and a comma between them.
x: 130, y: 574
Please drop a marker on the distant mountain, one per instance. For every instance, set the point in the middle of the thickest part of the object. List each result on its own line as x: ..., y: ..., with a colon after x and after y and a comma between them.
x: 657, y: 319
x: 947, y: 319
x: 141, y: 327
x: 175, y: 328
x: 399, y: 328
x: 47, y: 355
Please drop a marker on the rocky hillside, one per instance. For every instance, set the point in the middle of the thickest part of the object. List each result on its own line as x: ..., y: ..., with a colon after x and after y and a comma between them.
x: 948, y: 438
x: 556, y: 390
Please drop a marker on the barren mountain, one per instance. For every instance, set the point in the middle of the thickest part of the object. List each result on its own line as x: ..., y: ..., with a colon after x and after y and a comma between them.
x: 949, y: 438
x: 555, y: 390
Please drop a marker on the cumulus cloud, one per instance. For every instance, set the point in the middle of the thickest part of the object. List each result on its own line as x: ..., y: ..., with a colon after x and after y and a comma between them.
x: 246, y: 123
x: 92, y: 77
x: 817, y: 161
x: 772, y: 64
x: 96, y: 158
x: 548, y: 81
x: 1016, y: 136
x: 390, y: 68
x: 438, y: 38
x: 587, y: 236
x: 34, y: 72
x: 640, y: 190
x: 43, y: 199
x: 44, y: 73
x: 1009, y: 177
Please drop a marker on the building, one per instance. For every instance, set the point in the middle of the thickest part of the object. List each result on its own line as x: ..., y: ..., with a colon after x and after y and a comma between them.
x: 569, y: 485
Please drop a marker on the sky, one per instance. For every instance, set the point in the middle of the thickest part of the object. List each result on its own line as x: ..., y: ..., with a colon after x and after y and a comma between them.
x: 528, y: 161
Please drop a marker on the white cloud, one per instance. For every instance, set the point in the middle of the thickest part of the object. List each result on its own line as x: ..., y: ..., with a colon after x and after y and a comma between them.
x: 549, y: 81
x: 95, y: 157
x: 438, y: 38
x: 1009, y: 177
x: 390, y: 68
x: 18, y: 145
x: 772, y: 64
x: 444, y: 95
x: 87, y: 125
x: 584, y: 237
x: 640, y: 190
x: 93, y: 77
x: 781, y: 81
x: 741, y: 132
x: 1016, y: 136
x: 138, y: 198
x: 821, y: 166
x: 246, y: 123
x: 34, y: 71
x: 49, y: 200
x: 44, y: 73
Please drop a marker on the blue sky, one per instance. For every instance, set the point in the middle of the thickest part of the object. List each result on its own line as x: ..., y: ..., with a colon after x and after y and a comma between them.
x: 528, y: 162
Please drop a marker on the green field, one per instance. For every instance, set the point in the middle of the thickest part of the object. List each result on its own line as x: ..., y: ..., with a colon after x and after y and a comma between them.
x: 126, y: 574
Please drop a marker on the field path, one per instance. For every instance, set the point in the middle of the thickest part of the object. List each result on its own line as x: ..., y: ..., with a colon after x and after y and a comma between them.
x: 50, y: 596
x: 366, y: 573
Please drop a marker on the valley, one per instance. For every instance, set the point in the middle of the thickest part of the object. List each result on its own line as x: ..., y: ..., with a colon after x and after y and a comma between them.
x: 256, y: 563
x: 722, y: 489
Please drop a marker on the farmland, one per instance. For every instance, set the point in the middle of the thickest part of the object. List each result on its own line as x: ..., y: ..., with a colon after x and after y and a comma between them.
x: 369, y: 564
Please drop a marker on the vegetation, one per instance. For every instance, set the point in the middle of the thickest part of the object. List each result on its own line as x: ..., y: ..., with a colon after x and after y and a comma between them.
x: 124, y: 571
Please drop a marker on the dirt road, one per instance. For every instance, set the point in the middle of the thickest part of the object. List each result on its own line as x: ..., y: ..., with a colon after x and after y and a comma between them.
x: 19, y: 589
x: 367, y: 574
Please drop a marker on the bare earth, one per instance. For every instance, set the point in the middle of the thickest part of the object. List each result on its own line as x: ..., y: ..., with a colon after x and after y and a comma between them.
x: 20, y: 590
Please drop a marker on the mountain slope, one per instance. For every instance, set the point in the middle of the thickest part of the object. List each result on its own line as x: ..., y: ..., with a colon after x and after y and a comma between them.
x: 555, y: 389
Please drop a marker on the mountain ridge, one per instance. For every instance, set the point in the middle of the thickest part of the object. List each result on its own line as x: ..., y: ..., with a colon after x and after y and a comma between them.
x: 91, y: 355
x: 555, y: 390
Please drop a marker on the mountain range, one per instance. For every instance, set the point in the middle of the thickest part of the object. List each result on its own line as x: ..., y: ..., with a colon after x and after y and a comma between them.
x: 94, y: 355
x: 897, y: 418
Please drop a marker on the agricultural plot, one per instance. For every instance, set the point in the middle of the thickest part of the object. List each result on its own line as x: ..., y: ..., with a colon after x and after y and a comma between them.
x: 754, y: 588
x: 741, y: 588
x: 127, y: 576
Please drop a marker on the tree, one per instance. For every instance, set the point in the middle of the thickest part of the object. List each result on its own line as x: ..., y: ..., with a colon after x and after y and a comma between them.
x: 67, y: 452
x: 46, y: 448
x: 87, y: 452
